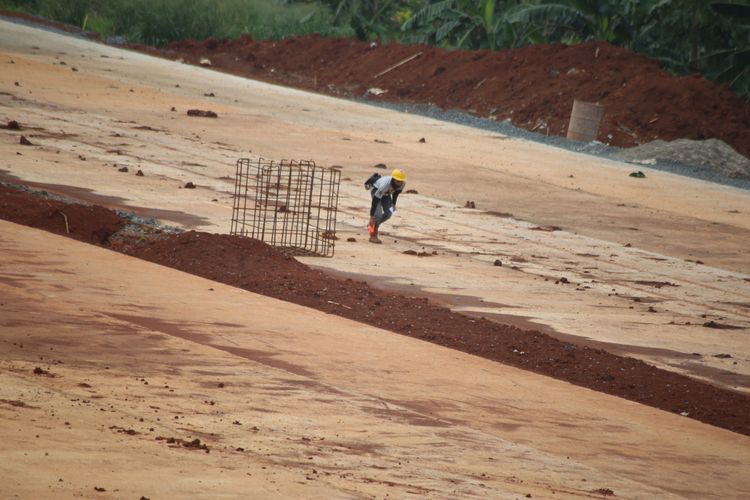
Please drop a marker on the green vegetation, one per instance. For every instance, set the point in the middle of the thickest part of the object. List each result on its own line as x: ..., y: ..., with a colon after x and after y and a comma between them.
x: 159, y: 22
x: 710, y: 37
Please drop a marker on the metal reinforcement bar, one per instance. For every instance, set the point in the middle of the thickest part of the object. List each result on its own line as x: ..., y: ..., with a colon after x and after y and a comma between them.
x: 290, y: 205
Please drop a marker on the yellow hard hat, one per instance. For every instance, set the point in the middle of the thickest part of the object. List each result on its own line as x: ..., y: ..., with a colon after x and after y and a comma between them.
x: 399, y: 175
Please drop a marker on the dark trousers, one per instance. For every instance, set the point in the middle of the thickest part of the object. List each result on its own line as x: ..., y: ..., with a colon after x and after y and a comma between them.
x: 383, y: 210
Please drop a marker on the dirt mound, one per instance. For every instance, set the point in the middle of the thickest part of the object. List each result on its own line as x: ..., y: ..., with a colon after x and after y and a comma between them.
x: 711, y: 154
x: 532, y: 86
x: 258, y: 267
x: 88, y: 223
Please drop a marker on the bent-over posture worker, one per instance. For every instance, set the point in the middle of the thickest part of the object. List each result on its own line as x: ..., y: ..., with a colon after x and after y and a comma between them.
x: 385, y: 192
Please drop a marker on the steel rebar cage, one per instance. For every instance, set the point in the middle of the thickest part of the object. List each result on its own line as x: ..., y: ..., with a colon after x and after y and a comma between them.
x: 290, y: 205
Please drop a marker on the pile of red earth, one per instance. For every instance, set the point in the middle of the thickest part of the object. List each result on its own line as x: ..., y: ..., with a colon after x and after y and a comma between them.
x: 257, y: 267
x: 533, y: 86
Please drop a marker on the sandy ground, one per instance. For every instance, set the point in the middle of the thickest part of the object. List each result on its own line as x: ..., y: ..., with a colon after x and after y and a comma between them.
x: 318, y: 414
x: 89, y: 107
x: 291, y: 402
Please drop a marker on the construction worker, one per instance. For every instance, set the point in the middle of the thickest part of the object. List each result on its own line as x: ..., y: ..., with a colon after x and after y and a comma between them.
x: 385, y: 191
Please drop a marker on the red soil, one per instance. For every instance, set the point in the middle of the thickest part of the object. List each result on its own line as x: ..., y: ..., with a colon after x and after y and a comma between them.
x: 533, y: 86
x: 255, y: 266
x: 87, y: 223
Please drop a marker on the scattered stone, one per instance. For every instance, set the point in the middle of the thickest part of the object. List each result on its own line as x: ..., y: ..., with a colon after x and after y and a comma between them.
x: 722, y: 356
x: 202, y: 113
x: 422, y: 140
x: 123, y: 169
x: 351, y: 240
x: 41, y: 371
x: 562, y: 280
x: 381, y: 166
x: 329, y: 235
x: 139, y: 173
x: 196, y: 444
x: 221, y: 385
x: 173, y: 109
x: 419, y: 254
x: 189, y: 185
x: 605, y: 492
x: 25, y: 142
x: 205, y: 61
x: 12, y: 125
x: 411, y: 191
x: 637, y: 175
x: 16, y: 84
x: 470, y: 204
x: 548, y: 229
x: 100, y: 489
x: 74, y: 69
x: 628, y: 245
x: 209, y: 94
x: 123, y: 430
x: 498, y: 263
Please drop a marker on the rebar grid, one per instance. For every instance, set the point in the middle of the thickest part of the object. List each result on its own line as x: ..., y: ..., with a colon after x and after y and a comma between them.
x: 290, y: 205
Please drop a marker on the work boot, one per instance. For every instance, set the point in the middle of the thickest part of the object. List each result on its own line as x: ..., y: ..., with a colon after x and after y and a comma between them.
x: 374, y: 239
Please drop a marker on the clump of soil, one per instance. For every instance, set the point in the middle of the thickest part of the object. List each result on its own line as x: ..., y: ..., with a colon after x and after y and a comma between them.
x: 123, y: 430
x: 202, y: 113
x: 257, y: 267
x: 195, y: 444
x: 418, y: 254
x: 605, y: 492
x: 12, y: 125
x: 533, y: 86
